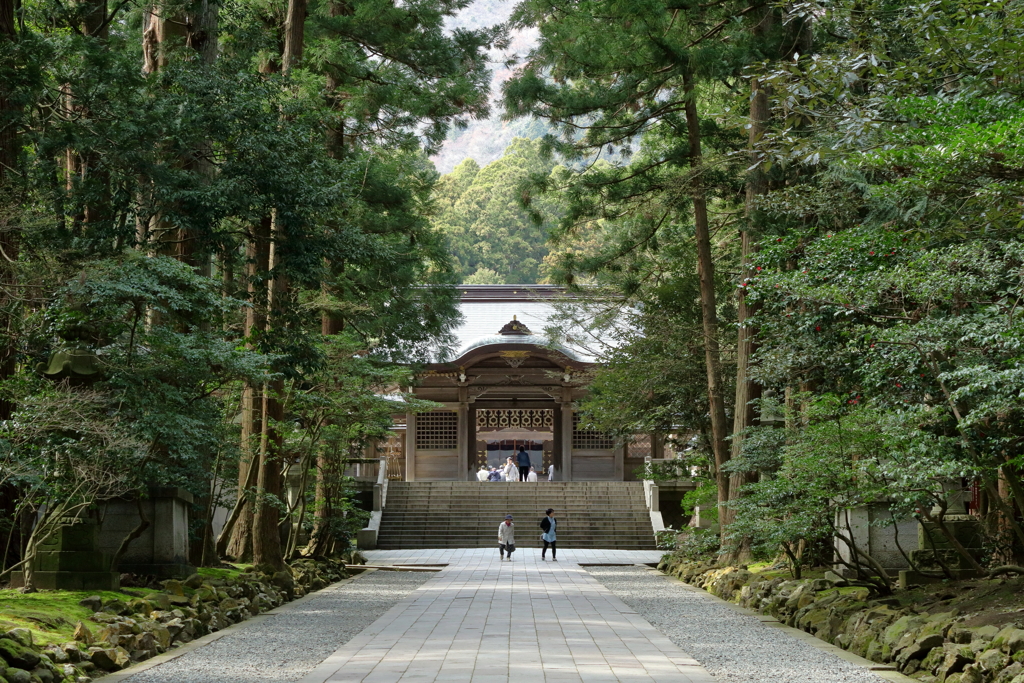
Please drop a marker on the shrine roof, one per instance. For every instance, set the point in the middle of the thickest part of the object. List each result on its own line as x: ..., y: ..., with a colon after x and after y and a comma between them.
x: 487, y: 309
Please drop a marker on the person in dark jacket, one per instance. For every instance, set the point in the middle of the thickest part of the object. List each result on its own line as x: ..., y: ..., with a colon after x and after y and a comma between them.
x: 548, y: 525
x: 523, y: 461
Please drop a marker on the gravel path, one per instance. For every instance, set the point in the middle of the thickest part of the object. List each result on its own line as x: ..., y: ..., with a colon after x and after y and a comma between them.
x: 733, y: 647
x: 288, y: 645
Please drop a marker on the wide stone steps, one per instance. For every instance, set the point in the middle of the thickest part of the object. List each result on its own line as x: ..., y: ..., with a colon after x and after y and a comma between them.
x: 466, y: 514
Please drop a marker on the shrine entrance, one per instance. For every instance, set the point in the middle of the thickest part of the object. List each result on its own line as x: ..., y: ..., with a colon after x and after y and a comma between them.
x: 501, y: 431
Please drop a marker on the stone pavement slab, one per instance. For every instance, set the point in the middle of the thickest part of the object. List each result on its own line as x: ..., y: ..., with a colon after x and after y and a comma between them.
x: 480, y: 620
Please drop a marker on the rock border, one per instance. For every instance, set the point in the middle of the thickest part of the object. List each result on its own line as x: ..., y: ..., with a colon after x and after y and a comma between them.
x: 884, y: 671
x: 185, y: 648
x: 932, y: 648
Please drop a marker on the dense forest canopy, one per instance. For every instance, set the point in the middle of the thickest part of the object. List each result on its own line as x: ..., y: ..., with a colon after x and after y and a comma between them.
x: 817, y: 216
x: 216, y: 249
x: 222, y: 242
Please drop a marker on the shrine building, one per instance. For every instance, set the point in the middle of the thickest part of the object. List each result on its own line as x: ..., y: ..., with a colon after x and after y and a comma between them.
x: 506, y: 385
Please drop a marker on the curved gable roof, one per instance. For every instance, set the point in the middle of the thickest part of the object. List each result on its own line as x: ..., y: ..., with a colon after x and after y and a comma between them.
x: 486, y: 309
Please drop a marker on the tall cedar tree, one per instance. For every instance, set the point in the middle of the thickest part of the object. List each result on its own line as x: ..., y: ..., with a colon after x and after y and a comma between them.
x: 641, y: 78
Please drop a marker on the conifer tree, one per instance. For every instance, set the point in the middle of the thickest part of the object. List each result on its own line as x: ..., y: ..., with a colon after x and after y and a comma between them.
x: 636, y: 87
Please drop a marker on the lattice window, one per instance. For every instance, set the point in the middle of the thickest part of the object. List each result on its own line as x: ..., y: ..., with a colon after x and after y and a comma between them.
x: 437, y: 431
x: 640, y: 447
x: 516, y: 418
x: 589, y: 439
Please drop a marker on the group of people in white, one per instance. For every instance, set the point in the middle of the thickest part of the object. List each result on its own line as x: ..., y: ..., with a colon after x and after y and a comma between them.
x: 518, y: 469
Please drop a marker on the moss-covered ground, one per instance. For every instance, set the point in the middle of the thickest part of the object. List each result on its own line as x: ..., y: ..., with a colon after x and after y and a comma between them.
x: 52, y: 615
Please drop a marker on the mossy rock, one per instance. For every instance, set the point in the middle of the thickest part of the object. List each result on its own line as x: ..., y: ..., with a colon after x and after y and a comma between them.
x: 1009, y: 673
x: 140, y: 606
x: 934, y: 658
x: 17, y: 655
x: 874, y: 651
x: 939, y: 624
x: 993, y: 660
x: 158, y: 600
x: 1009, y: 640
x: 116, y: 607
x: 895, y: 633
x: 985, y: 632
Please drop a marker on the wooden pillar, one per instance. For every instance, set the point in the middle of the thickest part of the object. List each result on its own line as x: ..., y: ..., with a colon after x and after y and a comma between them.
x: 566, y: 440
x: 620, y: 454
x: 410, y: 447
x: 464, y: 436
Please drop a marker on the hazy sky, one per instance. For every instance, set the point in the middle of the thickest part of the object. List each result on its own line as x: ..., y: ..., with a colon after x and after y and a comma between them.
x: 485, y: 140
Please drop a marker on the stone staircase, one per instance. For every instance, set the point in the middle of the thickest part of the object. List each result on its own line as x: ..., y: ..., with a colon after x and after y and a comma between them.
x: 456, y: 514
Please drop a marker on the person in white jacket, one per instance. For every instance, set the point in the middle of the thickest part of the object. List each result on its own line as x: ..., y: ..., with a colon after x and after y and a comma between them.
x: 510, y: 471
x: 507, y: 538
x: 532, y: 476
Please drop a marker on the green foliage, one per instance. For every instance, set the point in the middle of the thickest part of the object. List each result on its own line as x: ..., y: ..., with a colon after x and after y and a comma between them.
x: 698, y: 545
x: 193, y: 226
x: 704, y: 496
x: 887, y: 264
x: 493, y: 238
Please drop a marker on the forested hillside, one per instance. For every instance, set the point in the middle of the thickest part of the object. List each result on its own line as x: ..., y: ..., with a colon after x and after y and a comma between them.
x: 484, y: 140
x: 493, y: 238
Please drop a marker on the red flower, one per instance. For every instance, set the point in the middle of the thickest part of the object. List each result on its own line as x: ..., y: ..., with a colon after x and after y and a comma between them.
x: 817, y: 328
x: 872, y: 253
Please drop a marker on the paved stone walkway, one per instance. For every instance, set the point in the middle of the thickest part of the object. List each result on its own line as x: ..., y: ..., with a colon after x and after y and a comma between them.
x: 484, y: 621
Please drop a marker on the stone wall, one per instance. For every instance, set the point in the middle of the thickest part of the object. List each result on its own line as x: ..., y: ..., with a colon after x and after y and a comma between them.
x: 162, y: 549
x: 871, y: 529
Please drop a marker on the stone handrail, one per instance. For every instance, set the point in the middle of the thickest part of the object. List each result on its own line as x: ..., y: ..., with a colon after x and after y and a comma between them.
x: 366, y: 539
x: 651, y: 497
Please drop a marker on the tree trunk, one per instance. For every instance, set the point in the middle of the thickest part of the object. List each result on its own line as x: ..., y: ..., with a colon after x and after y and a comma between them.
x: 266, y: 544
x: 266, y: 547
x: 257, y: 264
x: 744, y: 414
x: 294, y: 32
x: 266, y: 537
x: 706, y: 273
x: 322, y: 511
x: 9, y: 234
x: 165, y: 31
